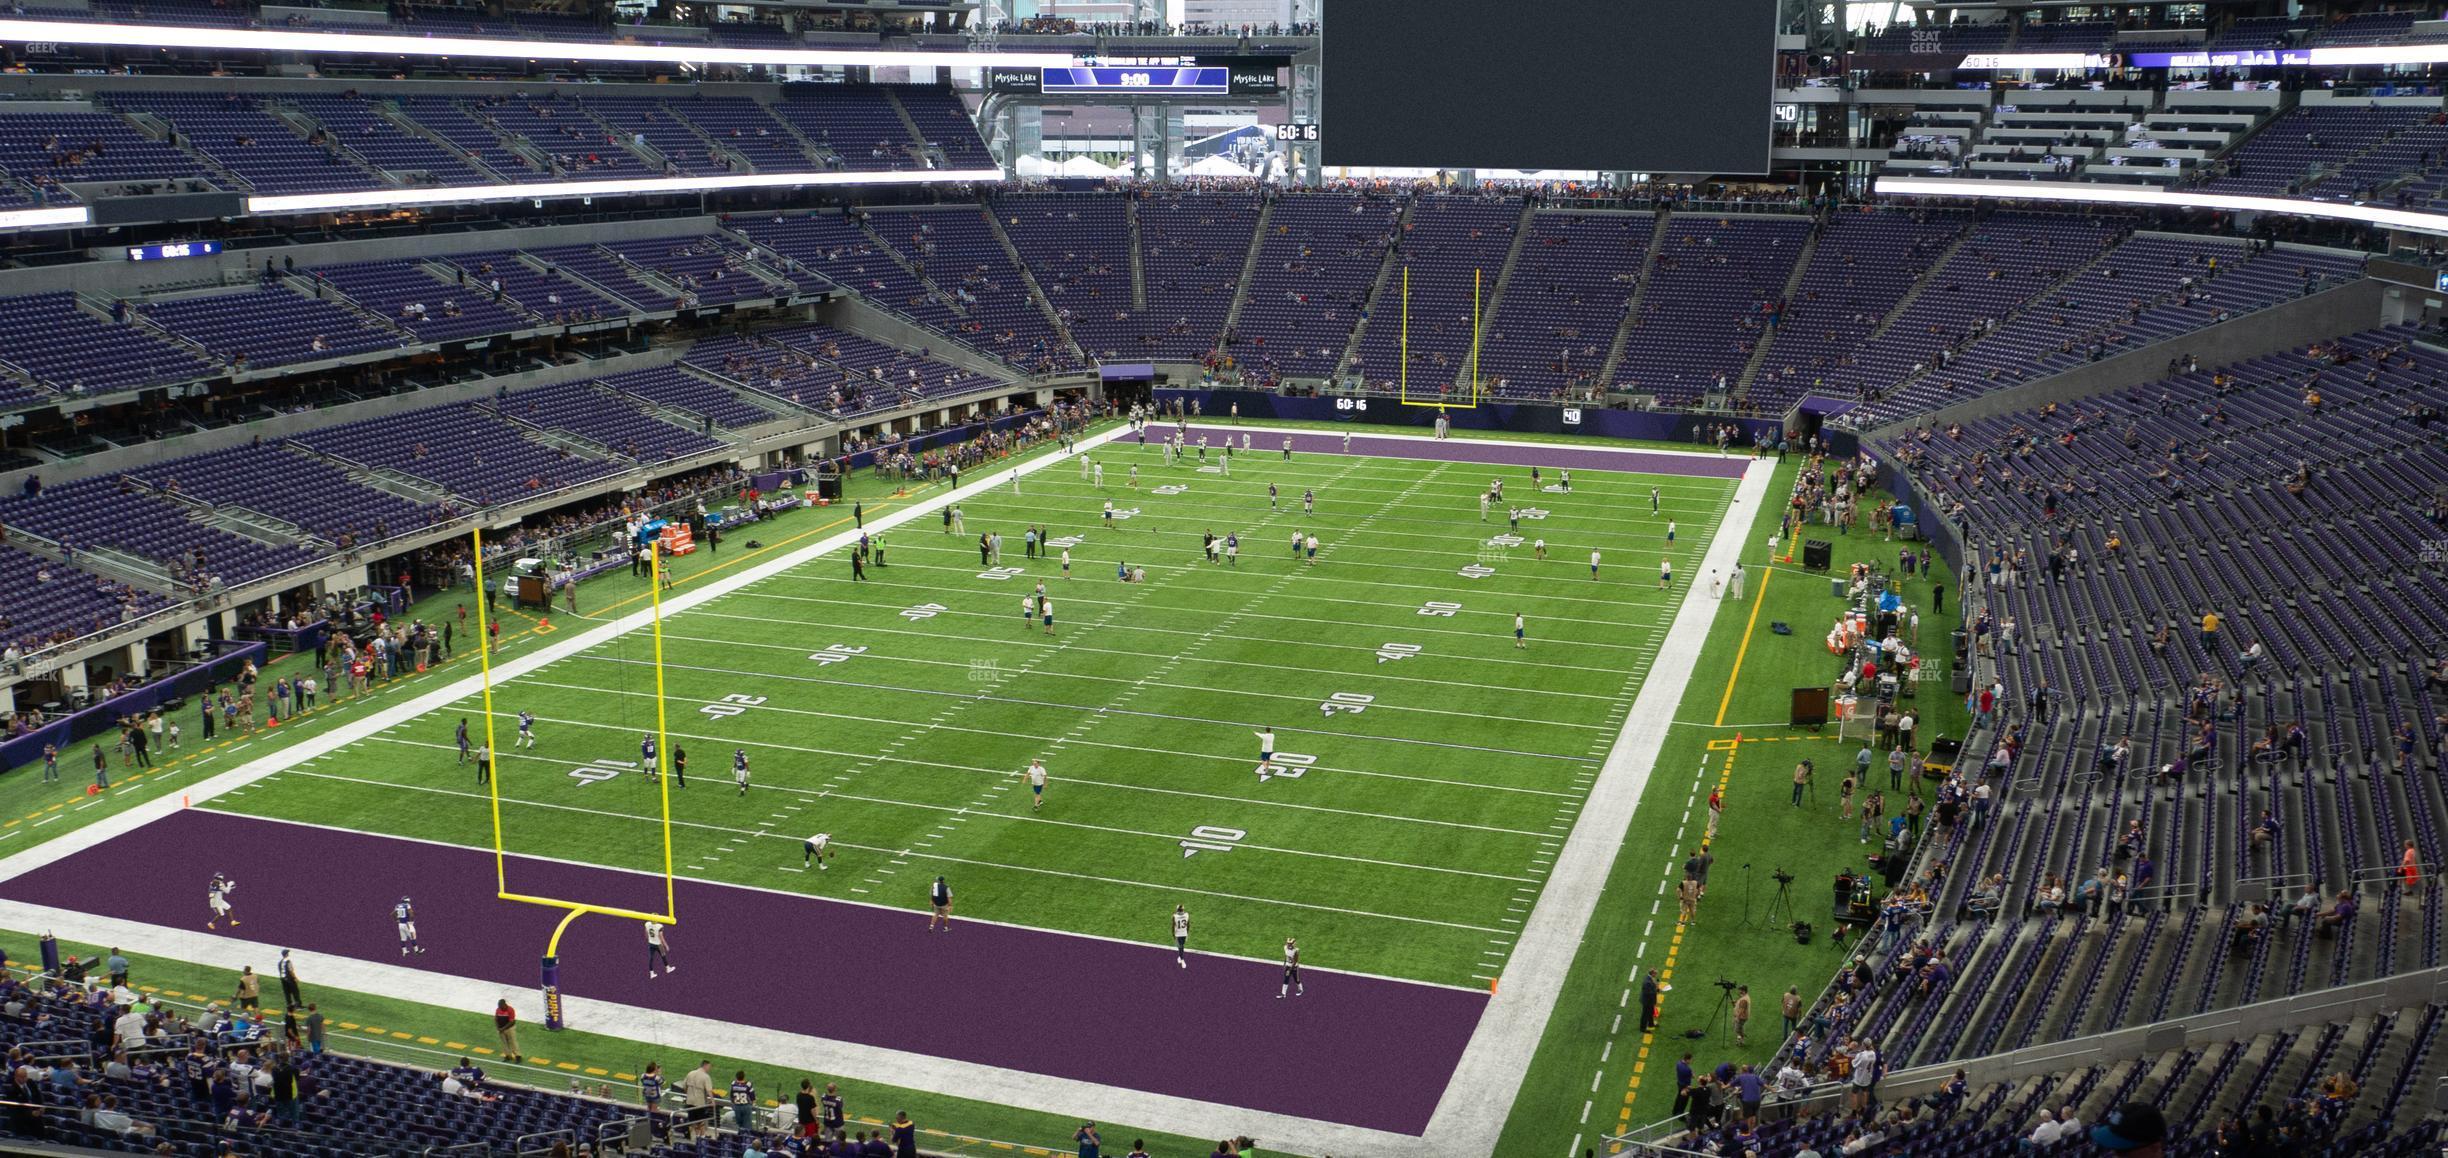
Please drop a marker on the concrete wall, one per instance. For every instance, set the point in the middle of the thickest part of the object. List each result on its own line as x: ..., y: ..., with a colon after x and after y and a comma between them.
x: 2328, y: 313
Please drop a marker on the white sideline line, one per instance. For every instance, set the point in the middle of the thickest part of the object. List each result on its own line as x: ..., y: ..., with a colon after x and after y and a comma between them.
x: 1471, y: 1115
x: 1468, y: 1118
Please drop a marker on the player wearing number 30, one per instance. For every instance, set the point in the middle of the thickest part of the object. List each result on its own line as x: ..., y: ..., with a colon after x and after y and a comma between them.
x: 1181, y: 936
x: 1292, y: 978
x: 1037, y: 782
x: 818, y: 849
x: 646, y: 756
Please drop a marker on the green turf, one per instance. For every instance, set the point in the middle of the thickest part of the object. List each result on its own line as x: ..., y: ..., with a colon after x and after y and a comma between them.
x: 1441, y: 801
x: 1594, y: 1035
x: 1440, y: 797
x: 435, y: 1037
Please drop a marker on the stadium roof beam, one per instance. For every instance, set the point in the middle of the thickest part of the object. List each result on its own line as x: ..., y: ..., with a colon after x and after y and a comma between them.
x: 2093, y: 193
x: 154, y: 36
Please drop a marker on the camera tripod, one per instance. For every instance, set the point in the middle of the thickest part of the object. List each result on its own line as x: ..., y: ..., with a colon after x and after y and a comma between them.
x: 1717, y: 1018
x: 1780, y: 913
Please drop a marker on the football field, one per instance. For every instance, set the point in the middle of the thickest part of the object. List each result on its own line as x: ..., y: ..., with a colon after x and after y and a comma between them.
x: 1427, y: 770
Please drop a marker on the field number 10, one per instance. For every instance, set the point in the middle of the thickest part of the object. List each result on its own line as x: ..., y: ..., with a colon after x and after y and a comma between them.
x: 1212, y: 839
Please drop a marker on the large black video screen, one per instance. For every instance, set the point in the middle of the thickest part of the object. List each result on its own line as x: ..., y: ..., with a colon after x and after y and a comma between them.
x: 1651, y: 86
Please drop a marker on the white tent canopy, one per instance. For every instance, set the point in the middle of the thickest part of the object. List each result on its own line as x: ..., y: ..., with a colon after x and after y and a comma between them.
x: 1084, y: 166
x: 1214, y: 167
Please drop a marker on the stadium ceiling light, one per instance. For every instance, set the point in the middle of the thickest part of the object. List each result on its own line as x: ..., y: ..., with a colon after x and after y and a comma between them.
x: 457, y: 194
x: 2100, y: 194
x: 345, y: 43
x: 44, y: 218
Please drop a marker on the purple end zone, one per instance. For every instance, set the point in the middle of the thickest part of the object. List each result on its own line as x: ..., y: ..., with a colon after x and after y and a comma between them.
x: 1356, y: 1050
x: 1550, y: 455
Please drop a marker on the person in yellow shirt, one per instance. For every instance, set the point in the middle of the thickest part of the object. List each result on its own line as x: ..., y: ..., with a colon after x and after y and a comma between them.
x: 2209, y: 632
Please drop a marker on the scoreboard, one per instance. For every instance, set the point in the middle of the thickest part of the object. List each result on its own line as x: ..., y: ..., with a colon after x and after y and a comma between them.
x: 1171, y: 76
x: 1170, y: 81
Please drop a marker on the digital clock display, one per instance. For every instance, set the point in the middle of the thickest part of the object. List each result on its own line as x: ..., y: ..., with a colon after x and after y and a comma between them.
x: 1296, y: 132
x: 173, y: 249
x: 1194, y: 81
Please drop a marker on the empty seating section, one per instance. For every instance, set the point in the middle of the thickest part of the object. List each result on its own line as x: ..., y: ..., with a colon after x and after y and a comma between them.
x: 2009, y: 260
x: 821, y: 368
x: 107, y: 512
x: 444, y: 118
x: 1447, y: 243
x: 258, y: 147
x: 957, y: 250
x: 677, y: 389
x: 307, y: 492
x: 606, y: 274
x: 1563, y: 302
x: 2292, y: 151
x: 1706, y: 305
x: 55, y: 148
x: 857, y: 122
x: 556, y: 297
x: 360, y: 127
x: 2066, y: 36
x: 429, y: 308
x: 1864, y: 265
x: 706, y: 268
x: 745, y: 127
x: 1320, y: 255
x: 51, y: 602
x: 839, y: 250
x: 460, y: 449
x: 945, y: 122
x: 73, y: 351
x: 582, y: 409
x: 663, y: 133
x: 1078, y: 248
x: 1192, y: 246
x: 576, y: 146
x: 268, y: 327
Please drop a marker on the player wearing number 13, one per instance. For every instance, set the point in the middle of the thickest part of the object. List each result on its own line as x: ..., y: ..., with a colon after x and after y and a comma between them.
x: 1292, y: 977
x: 739, y: 769
x: 1181, y: 936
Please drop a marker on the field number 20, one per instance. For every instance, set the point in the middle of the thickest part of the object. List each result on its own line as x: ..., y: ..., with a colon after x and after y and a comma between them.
x: 1210, y: 838
x: 1351, y: 703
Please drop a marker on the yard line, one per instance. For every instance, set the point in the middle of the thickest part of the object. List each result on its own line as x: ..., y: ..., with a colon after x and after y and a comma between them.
x: 963, y: 665
x: 1304, y: 620
x: 1010, y: 642
x: 1575, y: 758
x: 1590, y: 609
x: 912, y: 853
x: 1237, y: 761
x: 1239, y: 636
x: 997, y: 772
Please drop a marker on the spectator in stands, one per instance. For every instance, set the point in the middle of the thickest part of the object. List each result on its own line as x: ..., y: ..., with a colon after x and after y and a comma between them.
x: 2341, y: 911
x: 2135, y: 1128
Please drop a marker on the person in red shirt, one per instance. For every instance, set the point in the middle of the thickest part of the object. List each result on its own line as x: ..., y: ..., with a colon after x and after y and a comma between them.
x: 505, y: 1023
